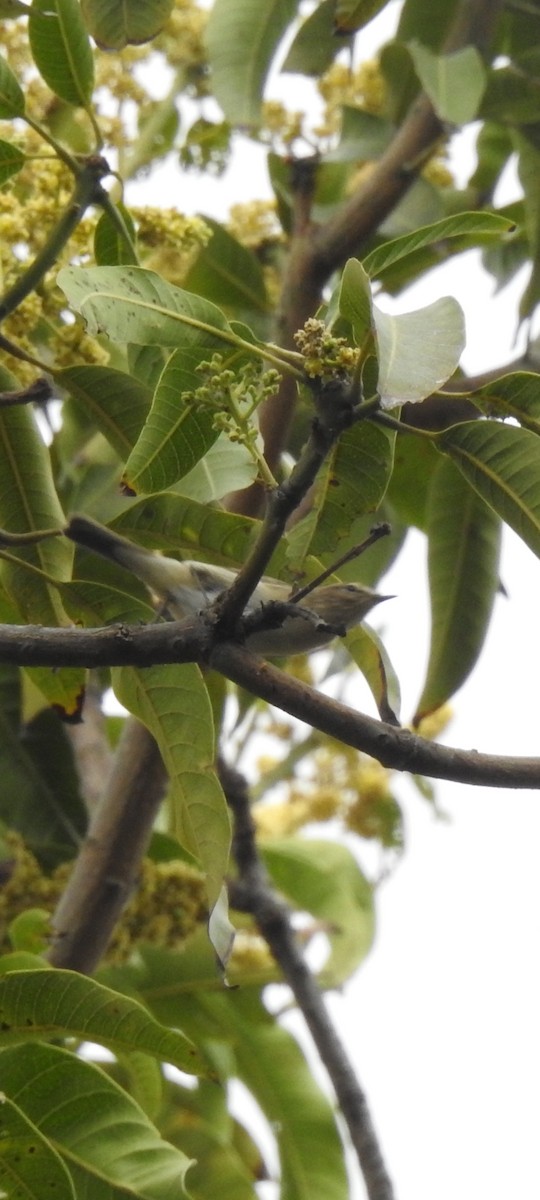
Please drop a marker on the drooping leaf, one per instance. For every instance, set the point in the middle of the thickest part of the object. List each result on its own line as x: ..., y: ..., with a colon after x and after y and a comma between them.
x: 61, y: 49
x: 39, y: 1004
x: 173, y: 704
x: 455, y: 82
x: 354, y: 483
x: 118, y: 23
x: 110, y: 1149
x: 464, y: 545
x: 242, y: 39
x: 28, y: 501
x: 370, y: 656
x: 502, y: 464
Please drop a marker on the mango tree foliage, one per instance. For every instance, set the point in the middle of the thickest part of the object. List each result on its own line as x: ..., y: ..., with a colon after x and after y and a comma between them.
x: 231, y: 390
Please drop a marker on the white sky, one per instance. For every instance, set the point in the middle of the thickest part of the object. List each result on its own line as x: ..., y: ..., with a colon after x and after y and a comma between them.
x: 442, y: 1020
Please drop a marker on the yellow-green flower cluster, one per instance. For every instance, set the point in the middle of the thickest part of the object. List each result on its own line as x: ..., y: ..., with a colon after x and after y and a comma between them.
x: 169, y: 903
x: 363, y: 87
x: 255, y: 223
x: 280, y: 125
x: 325, y: 355
x: 182, y: 38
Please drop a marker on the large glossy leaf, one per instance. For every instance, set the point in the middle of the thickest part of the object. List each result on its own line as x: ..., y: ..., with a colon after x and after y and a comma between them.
x: 174, y: 705
x: 454, y: 82
x: 226, y: 467
x: 177, y: 433
x: 324, y: 879
x: 471, y: 227
x: 61, y: 49
x: 46, y: 1004
x: 502, y: 463
x: 116, y: 402
x: 464, y: 545
x: 109, y: 1147
x: 11, y: 95
x: 418, y: 351
x: 29, y: 1164
x: 242, y: 38
x: 115, y: 23
x: 353, y: 484
x: 131, y: 304
x: 264, y: 1056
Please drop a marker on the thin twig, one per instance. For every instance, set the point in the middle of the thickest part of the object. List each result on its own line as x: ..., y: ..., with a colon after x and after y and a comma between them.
x: 254, y: 893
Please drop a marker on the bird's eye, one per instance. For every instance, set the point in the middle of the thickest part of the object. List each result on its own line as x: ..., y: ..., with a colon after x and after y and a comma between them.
x: 351, y: 587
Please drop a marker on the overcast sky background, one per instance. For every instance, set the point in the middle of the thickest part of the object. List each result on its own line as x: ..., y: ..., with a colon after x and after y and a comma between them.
x: 442, y: 1020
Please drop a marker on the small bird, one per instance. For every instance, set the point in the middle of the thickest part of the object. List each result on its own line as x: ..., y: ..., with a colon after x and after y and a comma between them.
x: 186, y: 588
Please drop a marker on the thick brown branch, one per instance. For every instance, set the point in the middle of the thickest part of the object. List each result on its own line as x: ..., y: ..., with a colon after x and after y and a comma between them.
x: 105, y: 873
x: 254, y: 893
x: 191, y: 641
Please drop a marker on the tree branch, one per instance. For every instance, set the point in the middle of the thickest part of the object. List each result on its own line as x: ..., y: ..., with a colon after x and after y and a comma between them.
x: 253, y: 893
x: 105, y: 872
x: 192, y: 641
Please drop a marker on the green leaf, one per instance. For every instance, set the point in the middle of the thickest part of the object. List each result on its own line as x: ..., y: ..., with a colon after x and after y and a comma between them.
x: 173, y: 524
x: 118, y: 23
x: 29, y: 805
x: 11, y: 95
x: 354, y: 299
x: 324, y: 879
x: 418, y: 351
x: 13, y: 8
x: 29, y: 1164
x: 463, y: 225
x: 61, y: 49
x: 413, y: 24
x: 11, y: 161
x: 352, y: 15
x: 464, y: 545
x: 173, y: 704
x: 28, y: 501
x: 117, y: 403
x: 502, y: 464
x: 242, y: 38
x: 371, y: 658
x: 235, y: 1026
x: 226, y: 467
x: 516, y: 395
x: 177, y: 433
x: 35, y: 1004
x: 455, y: 83
x: 130, y: 304
x: 314, y: 47
x: 110, y: 1148
x: 363, y: 136
x: 228, y: 273
x: 110, y: 248
x: 353, y: 483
